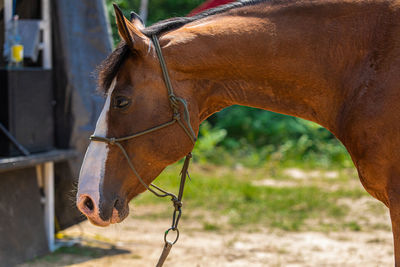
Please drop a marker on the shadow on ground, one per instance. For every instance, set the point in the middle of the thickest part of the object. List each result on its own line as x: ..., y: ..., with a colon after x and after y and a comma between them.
x: 80, y: 253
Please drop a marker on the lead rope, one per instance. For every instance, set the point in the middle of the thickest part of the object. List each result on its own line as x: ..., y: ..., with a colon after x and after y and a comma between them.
x: 176, y: 215
x: 176, y: 200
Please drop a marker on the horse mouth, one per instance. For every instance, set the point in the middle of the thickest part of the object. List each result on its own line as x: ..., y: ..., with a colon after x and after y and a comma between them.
x: 96, y: 217
x: 115, y: 218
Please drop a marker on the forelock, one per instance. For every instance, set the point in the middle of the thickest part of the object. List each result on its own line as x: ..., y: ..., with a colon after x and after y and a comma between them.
x: 109, y: 68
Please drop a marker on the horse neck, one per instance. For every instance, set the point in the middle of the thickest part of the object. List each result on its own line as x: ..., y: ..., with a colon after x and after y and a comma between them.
x: 286, y: 60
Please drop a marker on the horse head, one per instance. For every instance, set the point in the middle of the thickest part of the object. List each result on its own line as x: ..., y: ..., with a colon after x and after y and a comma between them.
x: 136, y: 100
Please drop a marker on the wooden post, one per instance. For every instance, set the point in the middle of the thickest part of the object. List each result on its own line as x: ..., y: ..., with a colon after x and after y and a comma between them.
x: 7, y: 13
x: 40, y: 180
x: 45, y: 25
x: 8, y: 6
x: 49, y: 203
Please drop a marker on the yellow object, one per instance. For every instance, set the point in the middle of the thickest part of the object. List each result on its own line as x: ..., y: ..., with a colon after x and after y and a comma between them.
x: 60, y: 235
x: 17, y: 53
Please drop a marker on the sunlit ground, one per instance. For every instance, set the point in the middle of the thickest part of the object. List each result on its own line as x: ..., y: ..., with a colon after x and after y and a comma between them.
x: 267, y: 216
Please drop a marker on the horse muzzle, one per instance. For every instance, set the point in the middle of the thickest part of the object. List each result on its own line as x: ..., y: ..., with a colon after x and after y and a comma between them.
x: 103, y: 213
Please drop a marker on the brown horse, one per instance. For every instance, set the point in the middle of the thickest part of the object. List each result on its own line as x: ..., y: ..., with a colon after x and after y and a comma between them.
x: 334, y: 62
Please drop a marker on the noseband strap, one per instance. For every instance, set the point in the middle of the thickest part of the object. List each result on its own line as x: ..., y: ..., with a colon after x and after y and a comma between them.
x: 175, y: 103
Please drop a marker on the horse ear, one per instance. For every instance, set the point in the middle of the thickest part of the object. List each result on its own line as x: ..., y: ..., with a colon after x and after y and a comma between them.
x: 137, y: 20
x: 129, y: 32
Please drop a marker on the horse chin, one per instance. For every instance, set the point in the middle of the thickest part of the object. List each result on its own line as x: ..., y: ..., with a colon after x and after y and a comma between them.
x: 119, y: 216
x: 99, y: 223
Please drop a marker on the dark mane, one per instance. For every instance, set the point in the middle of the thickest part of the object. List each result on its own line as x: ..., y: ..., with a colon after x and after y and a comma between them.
x: 175, y: 23
x: 111, y: 65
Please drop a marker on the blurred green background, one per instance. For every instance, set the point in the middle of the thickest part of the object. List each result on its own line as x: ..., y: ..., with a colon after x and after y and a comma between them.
x: 243, y: 135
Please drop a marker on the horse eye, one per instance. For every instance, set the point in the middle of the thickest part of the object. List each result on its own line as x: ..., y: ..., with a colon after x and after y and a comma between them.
x: 121, y: 102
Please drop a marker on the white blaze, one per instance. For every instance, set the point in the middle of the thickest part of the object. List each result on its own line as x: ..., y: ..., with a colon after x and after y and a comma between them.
x: 93, y: 166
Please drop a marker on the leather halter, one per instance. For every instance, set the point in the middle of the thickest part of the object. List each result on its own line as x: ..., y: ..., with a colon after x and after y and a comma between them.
x: 187, y: 127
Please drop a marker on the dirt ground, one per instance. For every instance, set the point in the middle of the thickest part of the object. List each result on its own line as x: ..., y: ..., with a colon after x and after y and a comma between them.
x: 138, y: 242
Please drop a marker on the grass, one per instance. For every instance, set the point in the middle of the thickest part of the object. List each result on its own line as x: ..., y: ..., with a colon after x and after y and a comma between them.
x: 207, y: 226
x: 232, y: 194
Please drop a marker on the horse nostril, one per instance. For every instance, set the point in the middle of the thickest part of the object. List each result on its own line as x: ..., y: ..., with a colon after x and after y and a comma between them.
x: 116, y: 203
x: 89, y: 203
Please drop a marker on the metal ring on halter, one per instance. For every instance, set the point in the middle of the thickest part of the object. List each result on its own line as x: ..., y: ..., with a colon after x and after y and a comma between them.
x: 177, y: 235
